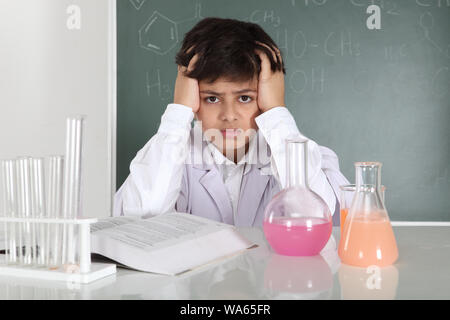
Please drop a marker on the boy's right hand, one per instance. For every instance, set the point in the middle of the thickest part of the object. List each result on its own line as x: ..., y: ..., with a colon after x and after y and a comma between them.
x: 187, y: 89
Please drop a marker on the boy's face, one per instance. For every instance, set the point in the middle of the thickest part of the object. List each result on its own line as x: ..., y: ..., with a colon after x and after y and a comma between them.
x: 227, y: 111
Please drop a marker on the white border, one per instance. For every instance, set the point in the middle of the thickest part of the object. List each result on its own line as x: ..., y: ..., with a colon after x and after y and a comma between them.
x: 112, y: 99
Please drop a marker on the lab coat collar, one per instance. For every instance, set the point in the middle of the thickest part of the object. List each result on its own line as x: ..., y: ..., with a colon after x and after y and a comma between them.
x: 211, y: 182
x: 253, y: 186
x: 252, y: 189
x: 254, y: 181
x: 250, y: 157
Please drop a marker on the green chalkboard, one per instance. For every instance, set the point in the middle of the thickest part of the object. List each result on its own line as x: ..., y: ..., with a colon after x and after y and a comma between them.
x: 370, y: 95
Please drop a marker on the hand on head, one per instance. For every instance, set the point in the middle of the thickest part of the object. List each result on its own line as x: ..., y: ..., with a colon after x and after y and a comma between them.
x: 187, y: 89
x: 270, y: 84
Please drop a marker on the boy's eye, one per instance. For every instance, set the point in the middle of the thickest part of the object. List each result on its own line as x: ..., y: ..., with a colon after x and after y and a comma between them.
x: 212, y: 99
x: 245, y: 99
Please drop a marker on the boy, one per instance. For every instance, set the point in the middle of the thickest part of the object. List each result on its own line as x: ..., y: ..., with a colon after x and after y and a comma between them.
x: 231, y: 78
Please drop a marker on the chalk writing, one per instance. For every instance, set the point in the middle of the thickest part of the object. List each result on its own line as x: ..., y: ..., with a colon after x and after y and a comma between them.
x: 426, y: 22
x: 137, y: 4
x: 433, y: 3
x: 159, y: 34
x: 154, y: 85
x: 299, y: 80
x: 343, y: 44
x: 265, y: 16
x: 395, y: 53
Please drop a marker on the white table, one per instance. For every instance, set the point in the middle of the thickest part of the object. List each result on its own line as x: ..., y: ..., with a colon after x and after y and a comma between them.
x: 422, y: 272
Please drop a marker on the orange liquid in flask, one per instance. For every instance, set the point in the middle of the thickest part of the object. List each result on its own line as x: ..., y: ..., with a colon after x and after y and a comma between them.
x: 369, y: 241
x: 343, y: 216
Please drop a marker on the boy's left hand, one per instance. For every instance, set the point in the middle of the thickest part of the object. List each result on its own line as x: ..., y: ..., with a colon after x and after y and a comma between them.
x: 270, y: 84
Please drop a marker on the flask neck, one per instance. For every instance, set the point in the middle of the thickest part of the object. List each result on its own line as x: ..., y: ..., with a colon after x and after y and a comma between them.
x: 368, y: 175
x: 296, y: 163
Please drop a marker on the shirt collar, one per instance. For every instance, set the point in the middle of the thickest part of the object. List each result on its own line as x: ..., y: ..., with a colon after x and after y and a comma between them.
x: 250, y: 157
x: 205, y: 155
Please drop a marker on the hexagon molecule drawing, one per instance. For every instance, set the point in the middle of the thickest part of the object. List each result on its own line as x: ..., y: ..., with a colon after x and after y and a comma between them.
x: 159, y: 34
x: 137, y: 3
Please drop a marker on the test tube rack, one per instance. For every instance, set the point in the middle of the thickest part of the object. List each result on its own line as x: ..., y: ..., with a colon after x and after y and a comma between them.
x: 85, y: 272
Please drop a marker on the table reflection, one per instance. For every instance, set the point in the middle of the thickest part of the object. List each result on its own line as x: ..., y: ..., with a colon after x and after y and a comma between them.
x: 372, y: 283
x: 288, y: 277
x: 17, y: 288
x: 298, y: 277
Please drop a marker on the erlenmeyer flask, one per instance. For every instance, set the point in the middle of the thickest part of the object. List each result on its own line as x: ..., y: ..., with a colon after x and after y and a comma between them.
x: 297, y: 222
x: 368, y: 238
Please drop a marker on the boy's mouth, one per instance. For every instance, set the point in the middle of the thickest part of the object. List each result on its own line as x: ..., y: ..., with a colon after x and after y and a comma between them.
x: 230, y: 132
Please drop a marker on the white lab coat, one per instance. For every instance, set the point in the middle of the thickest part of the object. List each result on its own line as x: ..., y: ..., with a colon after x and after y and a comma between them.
x: 163, y: 177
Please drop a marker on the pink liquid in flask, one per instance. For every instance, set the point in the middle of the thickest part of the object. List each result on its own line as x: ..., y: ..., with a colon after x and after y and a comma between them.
x: 297, y: 236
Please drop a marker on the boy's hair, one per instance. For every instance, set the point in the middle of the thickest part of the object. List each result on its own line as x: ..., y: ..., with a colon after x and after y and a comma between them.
x: 226, y: 48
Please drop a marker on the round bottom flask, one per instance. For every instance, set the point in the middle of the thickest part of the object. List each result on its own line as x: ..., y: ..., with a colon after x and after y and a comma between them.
x: 297, y: 222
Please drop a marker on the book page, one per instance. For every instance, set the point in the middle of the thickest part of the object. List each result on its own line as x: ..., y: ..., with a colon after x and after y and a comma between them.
x: 159, y: 231
x: 106, y: 223
x: 169, y: 243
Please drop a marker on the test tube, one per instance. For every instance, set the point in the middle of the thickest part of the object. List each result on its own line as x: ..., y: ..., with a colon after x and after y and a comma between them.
x: 12, y: 209
x: 38, y: 210
x: 72, y: 184
x: 9, y: 209
x: 3, y: 208
x: 24, y: 209
x: 54, y: 207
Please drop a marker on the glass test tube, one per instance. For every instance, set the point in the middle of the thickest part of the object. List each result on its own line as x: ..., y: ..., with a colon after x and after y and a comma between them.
x: 3, y: 208
x: 72, y: 184
x: 11, y: 202
x: 9, y: 209
x: 54, y: 207
x: 24, y: 209
x: 38, y: 210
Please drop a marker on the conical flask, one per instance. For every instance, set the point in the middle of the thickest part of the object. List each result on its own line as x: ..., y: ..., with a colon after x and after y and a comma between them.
x: 297, y: 222
x: 368, y: 238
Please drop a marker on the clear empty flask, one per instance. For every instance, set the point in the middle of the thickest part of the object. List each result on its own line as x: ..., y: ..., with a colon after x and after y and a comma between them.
x: 297, y: 222
x: 368, y: 238
x: 347, y: 194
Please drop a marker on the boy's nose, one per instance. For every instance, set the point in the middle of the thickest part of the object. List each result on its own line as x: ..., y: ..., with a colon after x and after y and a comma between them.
x: 228, y: 113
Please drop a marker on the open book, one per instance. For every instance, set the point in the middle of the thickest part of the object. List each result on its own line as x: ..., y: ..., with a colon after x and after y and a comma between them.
x: 170, y: 243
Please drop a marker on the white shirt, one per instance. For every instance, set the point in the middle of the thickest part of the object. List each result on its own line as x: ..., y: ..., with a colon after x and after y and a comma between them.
x: 154, y: 183
x: 232, y: 172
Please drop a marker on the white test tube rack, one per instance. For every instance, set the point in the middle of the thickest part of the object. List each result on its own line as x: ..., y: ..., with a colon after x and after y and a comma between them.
x: 85, y: 272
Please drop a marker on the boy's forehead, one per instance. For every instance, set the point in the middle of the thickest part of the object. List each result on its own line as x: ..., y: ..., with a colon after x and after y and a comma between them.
x: 225, y: 85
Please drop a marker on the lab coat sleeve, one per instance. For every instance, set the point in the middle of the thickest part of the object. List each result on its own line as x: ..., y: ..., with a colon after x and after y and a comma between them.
x: 330, y: 165
x: 155, y: 178
x: 277, y: 125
